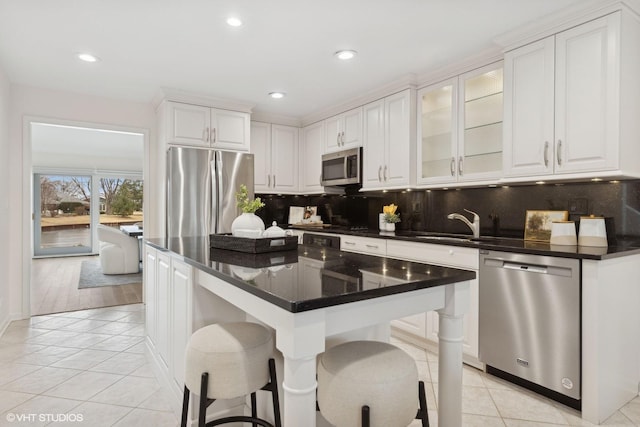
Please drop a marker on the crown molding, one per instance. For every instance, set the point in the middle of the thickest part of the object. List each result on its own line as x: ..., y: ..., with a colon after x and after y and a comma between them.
x: 263, y: 116
x: 177, y: 95
x: 562, y: 20
x: 407, y: 81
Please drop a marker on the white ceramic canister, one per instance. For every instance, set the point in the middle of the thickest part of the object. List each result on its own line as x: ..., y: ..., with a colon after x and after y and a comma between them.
x: 563, y: 233
x: 593, y: 232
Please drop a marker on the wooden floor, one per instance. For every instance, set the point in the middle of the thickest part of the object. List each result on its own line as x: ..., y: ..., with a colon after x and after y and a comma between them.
x: 54, y: 288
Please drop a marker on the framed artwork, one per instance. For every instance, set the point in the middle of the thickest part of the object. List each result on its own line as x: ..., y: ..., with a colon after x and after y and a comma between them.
x: 537, y: 225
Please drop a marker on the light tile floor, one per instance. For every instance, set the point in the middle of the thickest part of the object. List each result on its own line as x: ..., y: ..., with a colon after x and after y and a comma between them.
x: 91, y: 364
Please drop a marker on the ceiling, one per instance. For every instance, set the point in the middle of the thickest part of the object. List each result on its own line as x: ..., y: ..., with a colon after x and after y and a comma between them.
x: 284, y: 45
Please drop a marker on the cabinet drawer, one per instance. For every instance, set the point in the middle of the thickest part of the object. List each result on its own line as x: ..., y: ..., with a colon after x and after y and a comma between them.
x: 453, y: 256
x: 365, y: 245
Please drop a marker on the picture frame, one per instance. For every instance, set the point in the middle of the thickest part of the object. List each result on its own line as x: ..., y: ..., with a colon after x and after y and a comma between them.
x: 537, y: 224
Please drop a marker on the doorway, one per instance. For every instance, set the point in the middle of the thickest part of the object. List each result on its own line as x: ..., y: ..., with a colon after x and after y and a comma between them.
x: 82, y: 176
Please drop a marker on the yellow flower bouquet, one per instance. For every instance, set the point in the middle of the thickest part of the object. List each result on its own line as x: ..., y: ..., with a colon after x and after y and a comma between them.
x: 390, y: 215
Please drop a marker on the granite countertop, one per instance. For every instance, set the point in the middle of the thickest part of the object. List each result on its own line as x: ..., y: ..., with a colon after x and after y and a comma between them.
x: 506, y: 244
x: 310, y: 277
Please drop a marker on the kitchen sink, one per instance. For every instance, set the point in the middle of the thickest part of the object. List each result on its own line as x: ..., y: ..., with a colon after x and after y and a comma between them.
x: 451, y: 237
x: 446, y: 238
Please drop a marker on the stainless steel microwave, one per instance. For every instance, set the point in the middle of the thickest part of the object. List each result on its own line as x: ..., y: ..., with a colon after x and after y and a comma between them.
x: 342, y: 168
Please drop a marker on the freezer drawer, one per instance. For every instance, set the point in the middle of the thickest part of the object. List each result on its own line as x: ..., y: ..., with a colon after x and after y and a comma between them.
x: 530, y: 318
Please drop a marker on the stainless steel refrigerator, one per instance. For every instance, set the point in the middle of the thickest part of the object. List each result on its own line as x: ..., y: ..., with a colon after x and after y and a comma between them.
x: 201, y: 190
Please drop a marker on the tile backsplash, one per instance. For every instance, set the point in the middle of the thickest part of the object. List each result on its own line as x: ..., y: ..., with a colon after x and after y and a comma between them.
x: 502, y: 210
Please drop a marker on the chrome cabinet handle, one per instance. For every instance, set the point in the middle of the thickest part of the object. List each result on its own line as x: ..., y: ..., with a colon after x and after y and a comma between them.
x: 546, y: 153
x: 274, y: 181
x: 205, y: 134
x: 559, y: 152
x: 342, y: 138
x: 268, y: 180
x: 372, y: 246
x: 349, y: 243
x: 379, y: 173
x: 460, y: 166
x: 213, y: 135
x: 385, y: 172
x: 338, y: 139
x: 452, y: 166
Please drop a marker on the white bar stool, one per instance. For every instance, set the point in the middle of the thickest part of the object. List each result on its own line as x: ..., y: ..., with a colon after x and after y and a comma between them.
x: 229, y: 360
x: 370, y: 383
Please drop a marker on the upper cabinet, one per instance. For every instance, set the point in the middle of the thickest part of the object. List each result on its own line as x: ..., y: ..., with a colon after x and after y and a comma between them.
x: 275, y: 149
x: 460, y: 128
x: 343, y: 131
x: 389, y: 142
x: 311, y: 149
x: 206, y: 127
x: 572, y: 103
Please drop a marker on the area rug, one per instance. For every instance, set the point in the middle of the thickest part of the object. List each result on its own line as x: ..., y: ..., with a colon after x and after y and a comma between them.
x: 91, y: 276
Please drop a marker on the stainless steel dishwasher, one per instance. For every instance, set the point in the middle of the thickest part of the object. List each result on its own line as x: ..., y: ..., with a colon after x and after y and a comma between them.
x: 530, y: 322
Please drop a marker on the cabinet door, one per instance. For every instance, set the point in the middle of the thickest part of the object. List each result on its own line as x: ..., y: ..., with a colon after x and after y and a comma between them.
x: 230, y: 130
x: 181, y: 282
x: 352, y: 129
x: 188, y: 124
x: 333, y: 127
x: 587, y: 111
x: 374, y: 145
x: 150, y: 292
x: 529, y: 109
x: 480, y: 124
x: 284, y: 158
x: 311, y: 158
x: 164, y: 307
x: 437, y: 133
x: 397, y: 149
x: 261, y: 149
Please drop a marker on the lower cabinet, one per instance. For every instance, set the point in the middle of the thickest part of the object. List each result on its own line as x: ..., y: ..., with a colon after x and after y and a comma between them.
x: 422, y: 329
x: 168, y: 301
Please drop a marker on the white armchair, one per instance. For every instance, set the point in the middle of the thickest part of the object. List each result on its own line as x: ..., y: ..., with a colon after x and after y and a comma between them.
x: 118, y: 251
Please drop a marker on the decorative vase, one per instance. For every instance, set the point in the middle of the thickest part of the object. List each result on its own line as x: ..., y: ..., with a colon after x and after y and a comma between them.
x: 390, y: 226
x: 247, y: 225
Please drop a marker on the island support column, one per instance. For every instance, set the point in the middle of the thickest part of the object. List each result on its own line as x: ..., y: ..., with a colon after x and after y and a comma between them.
x: 450, y: 339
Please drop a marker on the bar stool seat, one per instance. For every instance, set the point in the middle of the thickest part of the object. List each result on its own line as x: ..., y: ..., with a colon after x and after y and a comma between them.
x: 370, y: 383
x: 229, y: 360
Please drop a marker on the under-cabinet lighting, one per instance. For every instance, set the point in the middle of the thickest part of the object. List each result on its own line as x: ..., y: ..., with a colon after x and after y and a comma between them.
x: 596, y: 179
x: 345, y: 54
x: 615, y: 181
x: 505, y: 186
x: 492, y: 185
x: 540, y: 182
x: 234, y: 22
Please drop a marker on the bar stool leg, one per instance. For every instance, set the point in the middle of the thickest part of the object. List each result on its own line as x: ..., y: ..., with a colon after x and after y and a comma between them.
x: 202, y: 412
x: 185, y: 407
x: 423, y: 414
x: 365, y: 416
x: 254, y: 411
x: 274, y: 393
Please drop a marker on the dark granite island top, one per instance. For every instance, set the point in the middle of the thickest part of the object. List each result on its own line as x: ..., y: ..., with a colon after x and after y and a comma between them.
x: 311, y: 277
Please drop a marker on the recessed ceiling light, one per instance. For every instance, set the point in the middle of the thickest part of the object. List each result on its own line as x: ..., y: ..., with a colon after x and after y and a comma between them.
x: 234, y: 22
x: 345, y: 54
x: 87, y: 57
x: 276, y: 95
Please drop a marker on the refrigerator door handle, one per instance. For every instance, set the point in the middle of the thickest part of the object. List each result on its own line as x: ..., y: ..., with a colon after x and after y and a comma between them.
x: 216, y: 188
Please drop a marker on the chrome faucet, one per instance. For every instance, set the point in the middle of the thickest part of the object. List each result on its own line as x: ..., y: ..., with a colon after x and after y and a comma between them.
x: 475, y: 227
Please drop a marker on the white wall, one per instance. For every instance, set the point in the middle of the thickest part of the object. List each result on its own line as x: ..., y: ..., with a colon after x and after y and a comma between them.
x: 4, y: 200
x: 59, y: 106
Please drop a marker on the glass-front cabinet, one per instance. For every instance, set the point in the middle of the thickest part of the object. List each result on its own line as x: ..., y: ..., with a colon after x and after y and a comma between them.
x: 460, y: 128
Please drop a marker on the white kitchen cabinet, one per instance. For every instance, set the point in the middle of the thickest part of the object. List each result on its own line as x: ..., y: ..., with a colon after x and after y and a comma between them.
x: 389, y: 142
x: 311, y: 150
x: 275, y: 149
x: 343, y: 131
x: 460, y: 128
x: 168, y: 284
x: 363, y: 245
x: 206, y: 127
x: 425, y: 326
x: 569, y: 101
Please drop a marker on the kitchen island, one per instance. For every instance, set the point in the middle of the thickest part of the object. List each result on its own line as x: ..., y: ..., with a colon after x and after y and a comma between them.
x: 307, y: 296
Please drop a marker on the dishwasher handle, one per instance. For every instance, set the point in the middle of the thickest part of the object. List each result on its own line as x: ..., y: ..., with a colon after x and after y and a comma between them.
x: 530, y: 268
